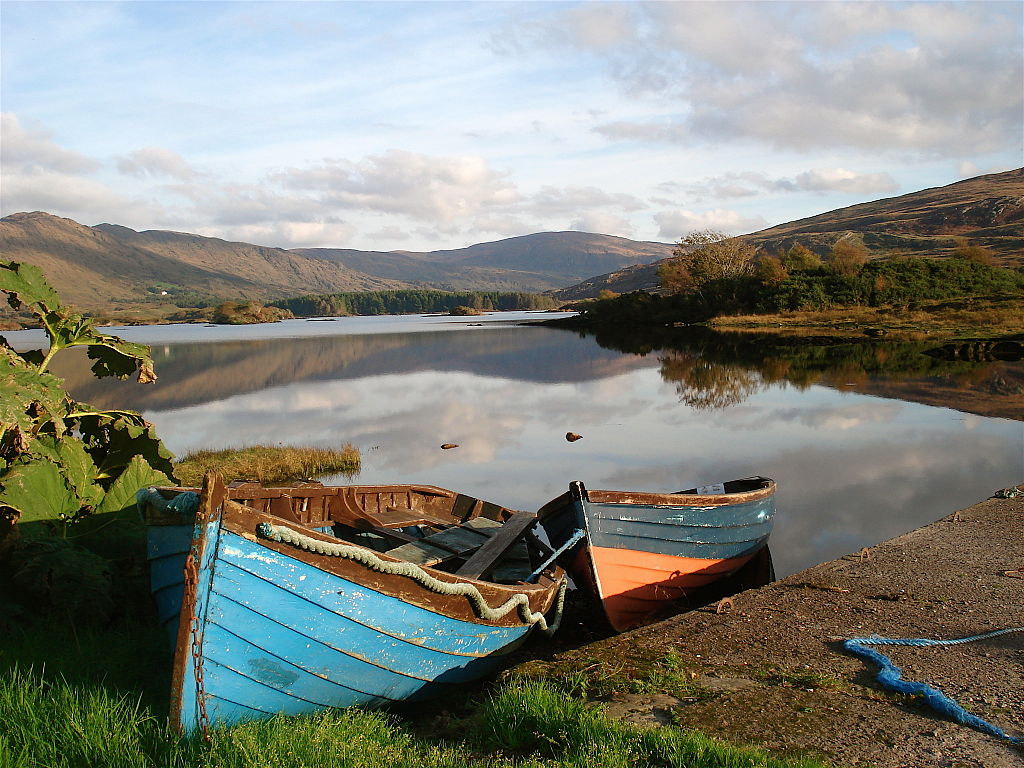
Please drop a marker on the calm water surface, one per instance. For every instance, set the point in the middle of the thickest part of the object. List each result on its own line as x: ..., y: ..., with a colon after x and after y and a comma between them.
x: 853, y: 469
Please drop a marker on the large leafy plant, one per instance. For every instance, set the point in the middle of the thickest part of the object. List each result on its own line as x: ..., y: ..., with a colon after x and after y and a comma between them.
x: 62, y: 460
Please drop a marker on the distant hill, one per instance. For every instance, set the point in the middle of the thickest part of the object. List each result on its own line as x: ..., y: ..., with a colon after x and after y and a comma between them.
x: 989, y: 210
x: 98, y: 267
x: 106, y: 266
x: 537, y: 262
x: 425, y: 273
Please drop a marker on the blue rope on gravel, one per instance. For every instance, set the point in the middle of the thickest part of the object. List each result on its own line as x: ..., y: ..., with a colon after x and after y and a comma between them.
x: 891, y: 677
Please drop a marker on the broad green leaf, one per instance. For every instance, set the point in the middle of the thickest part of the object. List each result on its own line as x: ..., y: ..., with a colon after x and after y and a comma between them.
x: 114, y: 356
x: 26, y: 284
x: 33, y: 357
x: 122, y: 359
x: 114, y: 442
x: 35, y: 488
x: 138, y: 474
x: 29, y: 398
x: 75, y: 463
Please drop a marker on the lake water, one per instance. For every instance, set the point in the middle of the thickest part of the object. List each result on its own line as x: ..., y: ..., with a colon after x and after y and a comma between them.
x: 853, y: 468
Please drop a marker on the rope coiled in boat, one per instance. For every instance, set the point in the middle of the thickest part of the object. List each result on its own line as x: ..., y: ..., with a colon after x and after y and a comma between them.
x: 518, y: 602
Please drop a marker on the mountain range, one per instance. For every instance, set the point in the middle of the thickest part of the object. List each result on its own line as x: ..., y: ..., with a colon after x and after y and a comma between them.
x: 108, y: 266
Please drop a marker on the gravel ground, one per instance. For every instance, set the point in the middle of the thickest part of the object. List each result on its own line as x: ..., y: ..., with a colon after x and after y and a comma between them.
x: 771, y: 670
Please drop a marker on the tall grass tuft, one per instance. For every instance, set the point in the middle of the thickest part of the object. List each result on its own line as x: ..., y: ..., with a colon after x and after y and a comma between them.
x: 98, y: 697
x: 58, y: 725
x: 50, y: 723
x: 267, y: 463
x: 334, y: 739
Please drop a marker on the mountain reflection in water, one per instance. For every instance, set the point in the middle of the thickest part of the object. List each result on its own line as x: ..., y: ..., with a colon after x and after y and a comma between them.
x: 865, y: 440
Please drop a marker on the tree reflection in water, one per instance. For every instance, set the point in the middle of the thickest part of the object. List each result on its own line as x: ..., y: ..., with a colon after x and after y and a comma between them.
x: 715, y: 370
x: 706, y: 385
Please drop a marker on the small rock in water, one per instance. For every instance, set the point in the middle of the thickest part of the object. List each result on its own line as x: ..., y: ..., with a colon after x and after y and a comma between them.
x: 446, y: 446
x: 572, y: 437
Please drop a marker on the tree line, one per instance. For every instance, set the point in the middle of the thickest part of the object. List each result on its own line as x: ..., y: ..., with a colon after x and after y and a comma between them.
x: 410, y: 302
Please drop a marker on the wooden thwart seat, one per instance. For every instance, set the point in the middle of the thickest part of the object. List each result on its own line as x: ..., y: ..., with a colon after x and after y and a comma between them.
x: 402, y: 518
x: 457, y: 541
x: 492, y: 550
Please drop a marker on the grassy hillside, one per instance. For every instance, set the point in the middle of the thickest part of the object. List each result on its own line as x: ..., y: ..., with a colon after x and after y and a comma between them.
x: 425, y: 273
x: 537, y: 262
x: 110, y: 268
x: 988, y: 210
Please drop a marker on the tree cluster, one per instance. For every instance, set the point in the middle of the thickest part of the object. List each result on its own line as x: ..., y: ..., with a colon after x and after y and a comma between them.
x: 410, y: 302
x: 723, y: 275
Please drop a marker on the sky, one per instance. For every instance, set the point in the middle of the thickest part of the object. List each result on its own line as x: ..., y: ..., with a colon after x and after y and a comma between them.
x: 426, y: 125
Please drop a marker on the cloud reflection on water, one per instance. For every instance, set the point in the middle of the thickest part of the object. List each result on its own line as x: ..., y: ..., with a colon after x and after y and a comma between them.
x: 852, y: 468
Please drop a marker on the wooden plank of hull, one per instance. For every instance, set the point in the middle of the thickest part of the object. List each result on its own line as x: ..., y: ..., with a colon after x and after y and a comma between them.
x: 166, y: 549
x: 633, y: 585
x: 270, y: 628
x: 541, y: 594
x: 282, y: 636
x: 721, y: 535
x: 645, y: 549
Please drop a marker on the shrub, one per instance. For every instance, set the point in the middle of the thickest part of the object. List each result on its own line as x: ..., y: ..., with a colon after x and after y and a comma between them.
x: 62, y: 461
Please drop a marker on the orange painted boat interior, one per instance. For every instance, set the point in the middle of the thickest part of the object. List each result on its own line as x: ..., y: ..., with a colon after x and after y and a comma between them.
x: 632, y: 585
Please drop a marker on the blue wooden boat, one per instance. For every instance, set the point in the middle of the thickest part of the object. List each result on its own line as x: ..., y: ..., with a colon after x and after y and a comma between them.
x: 640, y: 551
x: 291, y: 600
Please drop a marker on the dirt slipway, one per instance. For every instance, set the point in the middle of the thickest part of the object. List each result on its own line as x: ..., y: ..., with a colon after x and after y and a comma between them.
x: 770, y: 671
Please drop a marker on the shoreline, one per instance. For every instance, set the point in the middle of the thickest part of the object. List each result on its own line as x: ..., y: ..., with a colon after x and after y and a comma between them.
x: 771, y: 671
x: 977, y: 318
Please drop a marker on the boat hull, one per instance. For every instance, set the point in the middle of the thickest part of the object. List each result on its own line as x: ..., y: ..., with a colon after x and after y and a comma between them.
x: 644, y: 551
x: 269, y: 628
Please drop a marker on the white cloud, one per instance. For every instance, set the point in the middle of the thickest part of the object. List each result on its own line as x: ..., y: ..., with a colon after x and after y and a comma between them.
x: 385, y: 137
x: 751, y: 183
x: 420, y: 186
x: 574, y: 200
x: 32, y: 149
x: 46, y: 190
x: 289, y: 234
x: 599, y: 25
x: 156, y: 161
x: 674, y: 224
x: 967, y: 169
x: 922, y: 78
x: 505, y: 225
x: 605, y: 223
x: 842, y: 180
x: 40, y: 175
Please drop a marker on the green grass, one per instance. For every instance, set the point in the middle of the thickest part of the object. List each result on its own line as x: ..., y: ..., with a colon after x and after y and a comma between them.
x: 98, y: 698
x: 267, y: 463
x: 599, y: 678
x: 801, y: 678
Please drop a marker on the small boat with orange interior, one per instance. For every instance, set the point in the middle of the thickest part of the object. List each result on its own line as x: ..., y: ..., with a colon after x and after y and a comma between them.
x: 637, y: 552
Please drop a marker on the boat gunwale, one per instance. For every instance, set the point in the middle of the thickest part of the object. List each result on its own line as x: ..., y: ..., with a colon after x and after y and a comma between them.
x: 644, y: 498
x: 321, y: 562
